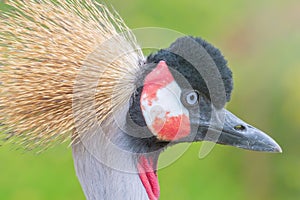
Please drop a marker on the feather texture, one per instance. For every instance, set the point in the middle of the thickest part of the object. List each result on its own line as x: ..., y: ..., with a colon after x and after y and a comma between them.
x: 64, y: 66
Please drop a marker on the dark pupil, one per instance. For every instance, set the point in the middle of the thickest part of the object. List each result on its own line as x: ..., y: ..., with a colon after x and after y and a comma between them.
x: 192, y: 97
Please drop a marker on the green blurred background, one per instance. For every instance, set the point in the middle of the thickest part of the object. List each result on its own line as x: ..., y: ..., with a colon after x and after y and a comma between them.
x: 261, y: 40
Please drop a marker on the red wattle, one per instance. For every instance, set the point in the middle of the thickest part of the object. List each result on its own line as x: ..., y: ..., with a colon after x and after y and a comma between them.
x: 148, y: 176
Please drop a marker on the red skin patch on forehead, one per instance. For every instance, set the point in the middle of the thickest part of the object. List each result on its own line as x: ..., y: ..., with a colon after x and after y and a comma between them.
x: 172, y: 128
x: 158, y: 78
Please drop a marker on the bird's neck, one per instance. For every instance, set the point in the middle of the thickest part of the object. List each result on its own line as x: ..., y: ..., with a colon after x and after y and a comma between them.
x: 109, y: 171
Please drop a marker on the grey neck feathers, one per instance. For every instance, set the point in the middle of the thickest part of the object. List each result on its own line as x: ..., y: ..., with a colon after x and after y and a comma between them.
x: 105, y: 169
x: 100, y: 182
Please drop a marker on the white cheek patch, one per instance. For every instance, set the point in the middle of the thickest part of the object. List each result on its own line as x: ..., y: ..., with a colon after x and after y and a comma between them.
x: 162, y: 109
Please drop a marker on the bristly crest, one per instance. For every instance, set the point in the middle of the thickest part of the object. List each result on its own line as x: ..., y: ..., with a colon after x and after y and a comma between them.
x: 51, y: 54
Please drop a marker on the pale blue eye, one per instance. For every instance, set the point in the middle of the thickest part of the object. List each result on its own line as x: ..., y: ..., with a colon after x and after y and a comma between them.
x: 192, y: 98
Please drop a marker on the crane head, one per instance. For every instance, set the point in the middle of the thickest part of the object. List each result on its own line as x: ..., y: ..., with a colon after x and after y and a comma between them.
x: 181, y: 98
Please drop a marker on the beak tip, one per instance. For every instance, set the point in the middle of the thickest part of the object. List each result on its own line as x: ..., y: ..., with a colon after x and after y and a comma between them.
x: 277, y: 149
x: 272, y: 147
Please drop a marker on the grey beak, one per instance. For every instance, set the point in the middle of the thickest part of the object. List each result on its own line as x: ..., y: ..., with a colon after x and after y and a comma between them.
x: 238, y: 133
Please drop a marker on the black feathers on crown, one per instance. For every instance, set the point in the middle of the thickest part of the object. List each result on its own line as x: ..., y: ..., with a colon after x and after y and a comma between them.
x: 186, y: 46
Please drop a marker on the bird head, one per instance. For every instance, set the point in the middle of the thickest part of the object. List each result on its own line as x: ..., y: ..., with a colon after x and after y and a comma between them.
x: 177, y: 95
x: 181, y: 96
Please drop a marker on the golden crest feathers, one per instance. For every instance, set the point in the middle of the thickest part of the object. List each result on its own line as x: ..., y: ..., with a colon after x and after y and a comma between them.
x: 59, y: 60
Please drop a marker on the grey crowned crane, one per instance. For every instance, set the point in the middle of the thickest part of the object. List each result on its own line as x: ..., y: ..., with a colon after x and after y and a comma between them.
x: 73, y: 70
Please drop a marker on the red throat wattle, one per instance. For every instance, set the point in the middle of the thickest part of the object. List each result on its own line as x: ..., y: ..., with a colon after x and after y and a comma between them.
x: 147, y: 173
